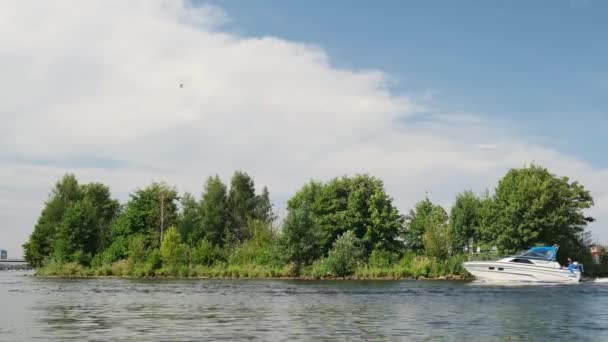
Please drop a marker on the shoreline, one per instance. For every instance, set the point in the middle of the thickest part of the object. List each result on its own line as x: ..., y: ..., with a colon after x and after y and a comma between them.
x: 302, y: 278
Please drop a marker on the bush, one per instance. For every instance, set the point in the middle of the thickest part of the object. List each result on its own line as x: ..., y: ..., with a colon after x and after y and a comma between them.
x: 121, y: 268
x: 380, y: 258
x: 263, y: 248
x: 344, y: 255
x: 116, y: 251
x: 319, y: 269
x: 206, y: 254
x: 154, y: 260
x: 173, y: 252
x: 137, y: 249
x: 420, y: 267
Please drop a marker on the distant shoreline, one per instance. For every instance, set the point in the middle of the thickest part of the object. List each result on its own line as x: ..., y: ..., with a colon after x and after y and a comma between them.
x: 450, y: 278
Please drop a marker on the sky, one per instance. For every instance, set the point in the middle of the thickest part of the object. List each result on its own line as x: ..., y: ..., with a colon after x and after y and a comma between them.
x: 433, y: 97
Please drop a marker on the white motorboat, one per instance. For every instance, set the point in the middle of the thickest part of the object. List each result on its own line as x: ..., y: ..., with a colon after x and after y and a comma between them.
x: 536, y: 265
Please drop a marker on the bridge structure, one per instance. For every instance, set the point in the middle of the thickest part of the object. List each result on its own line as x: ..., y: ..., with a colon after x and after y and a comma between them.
x: 14, y: 264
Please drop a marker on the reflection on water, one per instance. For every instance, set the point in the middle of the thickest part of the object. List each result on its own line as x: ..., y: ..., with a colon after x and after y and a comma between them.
x: 186, y: 310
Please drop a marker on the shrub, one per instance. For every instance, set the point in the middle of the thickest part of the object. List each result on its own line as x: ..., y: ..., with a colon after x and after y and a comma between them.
x: 154, y: 260
x: 173, y: 252
x: 121, y: 268
x: 319, y: 269
x: 137, y: 251
x: 380, y: 258
x: 420, y: 267
x: 344, y: 255
x: 116, y: 251
x: 206, y: 254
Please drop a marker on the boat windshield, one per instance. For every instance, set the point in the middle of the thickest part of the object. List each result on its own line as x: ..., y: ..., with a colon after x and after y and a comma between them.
x: 543, y: 253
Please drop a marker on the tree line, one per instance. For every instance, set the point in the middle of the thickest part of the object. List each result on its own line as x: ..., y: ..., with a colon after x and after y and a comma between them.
x: 345, y: 226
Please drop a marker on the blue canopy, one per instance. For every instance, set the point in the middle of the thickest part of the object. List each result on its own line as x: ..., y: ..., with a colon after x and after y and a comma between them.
x: 547, y: 253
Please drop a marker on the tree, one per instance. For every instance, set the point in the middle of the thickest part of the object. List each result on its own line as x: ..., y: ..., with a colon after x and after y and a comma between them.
x: 242, y: 203
x: 422, y: 216
x: 40, y: 244
x: 533, y: 206
x: 344, y: 255
x: 437, y: 237
x: 172, y: 251
x: 214, y: 211
x: 300, y: 235
x: 78, y: 235
x: 148, y: 212
x: 465, y: 221
x: 358, y: 203
x: 190, y: 220
x: 106, y: 210
x: 263, y: 208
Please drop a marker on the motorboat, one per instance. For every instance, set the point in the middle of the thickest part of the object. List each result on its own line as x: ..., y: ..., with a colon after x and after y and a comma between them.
x: 538, y: 264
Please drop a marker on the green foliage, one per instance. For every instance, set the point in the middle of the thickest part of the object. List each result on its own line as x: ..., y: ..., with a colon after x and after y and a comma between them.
x: 532, y: 206
x: 425, y: 215
x: 263, y: 208
x: 189, y: 221
x: 116, y: 251
x: 77, y: 233
x: 300, y: 235
x: 137, y: 249
x: 346, y: 252
x: 106, y: 210
x: 204, y: 253
x: 437, y: 237
x: 319, y: 269
x: 382, y: 259
x: 242, y: 203
x: 214, y: 211
x: 465, y: 222
x: 40, y: 245
x: 143, y: 212
x: 330, y: 229
x: 172, y: 251
x: 358, y: 204
x: 263, y: 248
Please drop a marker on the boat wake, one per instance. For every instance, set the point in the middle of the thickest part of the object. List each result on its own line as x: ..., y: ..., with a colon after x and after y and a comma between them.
x: 600, y: 280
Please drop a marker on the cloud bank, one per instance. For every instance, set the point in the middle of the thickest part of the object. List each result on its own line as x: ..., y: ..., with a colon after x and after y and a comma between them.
x: 93, y: 88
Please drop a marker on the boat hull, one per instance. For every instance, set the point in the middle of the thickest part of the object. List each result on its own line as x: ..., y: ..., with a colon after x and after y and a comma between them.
x: 511, y: 272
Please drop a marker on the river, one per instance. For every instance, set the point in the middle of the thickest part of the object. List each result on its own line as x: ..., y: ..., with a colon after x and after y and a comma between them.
x: 275, y: 310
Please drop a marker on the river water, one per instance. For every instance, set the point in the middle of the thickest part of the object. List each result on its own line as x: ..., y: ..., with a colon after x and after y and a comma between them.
x: 274, y: 310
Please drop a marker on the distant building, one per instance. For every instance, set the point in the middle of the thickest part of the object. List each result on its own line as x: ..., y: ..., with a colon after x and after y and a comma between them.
x: 3, y: 255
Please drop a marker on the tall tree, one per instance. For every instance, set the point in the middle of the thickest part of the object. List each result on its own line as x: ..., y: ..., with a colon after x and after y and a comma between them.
x: 190, y: 220
x: 149, y: 211
x: 437, y: 236
x: 106, y: 209
x: 465, y: 222
x: 533, y: 206
x: 424, y: 214
x: 242, y: 203
x: 300, y: 235
x: 263, y: 209
x: 78, y: 235
x: 40, y: 244
x: 357, y: 203
x: 214, y: 211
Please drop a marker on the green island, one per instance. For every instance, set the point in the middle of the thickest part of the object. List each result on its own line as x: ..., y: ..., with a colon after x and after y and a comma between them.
x: 347, y: 227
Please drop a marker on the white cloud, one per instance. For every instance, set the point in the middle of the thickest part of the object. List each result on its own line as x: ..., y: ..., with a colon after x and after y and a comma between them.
x: 100, y: 81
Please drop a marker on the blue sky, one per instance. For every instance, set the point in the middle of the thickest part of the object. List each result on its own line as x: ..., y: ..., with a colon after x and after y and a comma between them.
x: 539, y: 66
x: 432, y: 97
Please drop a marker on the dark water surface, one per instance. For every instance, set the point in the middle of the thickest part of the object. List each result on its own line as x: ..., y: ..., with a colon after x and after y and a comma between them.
x: 186, y: 310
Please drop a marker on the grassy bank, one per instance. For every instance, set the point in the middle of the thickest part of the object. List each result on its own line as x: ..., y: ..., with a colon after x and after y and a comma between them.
x: 407, y: 268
